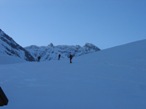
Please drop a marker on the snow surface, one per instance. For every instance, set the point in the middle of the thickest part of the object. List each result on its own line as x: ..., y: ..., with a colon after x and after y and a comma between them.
x: 5, y: 59
x: 109, y: 79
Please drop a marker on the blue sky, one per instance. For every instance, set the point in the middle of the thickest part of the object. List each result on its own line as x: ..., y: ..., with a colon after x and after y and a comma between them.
x: 105, y: 23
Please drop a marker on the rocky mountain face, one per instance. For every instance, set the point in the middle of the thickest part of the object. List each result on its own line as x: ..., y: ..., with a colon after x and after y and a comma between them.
x: 51, y: 52
x: 9, y: 47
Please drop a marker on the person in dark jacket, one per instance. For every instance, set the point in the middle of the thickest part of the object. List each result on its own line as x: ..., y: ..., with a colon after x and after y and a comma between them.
x: 70, y: 57
x: 39, y: 57
x: 59, y: 56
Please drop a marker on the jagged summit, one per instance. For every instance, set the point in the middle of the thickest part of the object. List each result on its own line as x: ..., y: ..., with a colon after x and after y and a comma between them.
x: 10, y: 47
x: 90, y: 47
x: 1, y: 33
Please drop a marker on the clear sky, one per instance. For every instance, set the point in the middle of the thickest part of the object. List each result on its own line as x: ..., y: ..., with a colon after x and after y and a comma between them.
x: 105, y: 23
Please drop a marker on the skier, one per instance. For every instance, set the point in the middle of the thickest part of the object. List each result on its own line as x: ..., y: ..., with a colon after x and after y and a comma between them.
x: 39, y: 57
x: 59, y: 56
x: 70, y: 57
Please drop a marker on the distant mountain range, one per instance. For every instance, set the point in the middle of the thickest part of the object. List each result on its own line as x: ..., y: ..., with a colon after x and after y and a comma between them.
x: 51, y: 52
x: 31, y: 53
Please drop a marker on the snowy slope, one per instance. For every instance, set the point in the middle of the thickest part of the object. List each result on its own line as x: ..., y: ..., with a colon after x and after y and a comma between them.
x: 110, y: 79
x: 4, y: 59
x: 51, y: 52
x: 9, y: 47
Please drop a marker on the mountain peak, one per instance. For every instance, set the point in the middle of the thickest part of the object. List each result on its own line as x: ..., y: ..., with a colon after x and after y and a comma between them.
x: 1, y: 33
x: 10, y: 47
x: 91, y: 46
x: 51, y: 45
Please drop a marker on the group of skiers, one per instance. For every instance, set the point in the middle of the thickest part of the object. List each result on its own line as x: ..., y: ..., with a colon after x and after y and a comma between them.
x: 70, y: 57
x: 59, y: 56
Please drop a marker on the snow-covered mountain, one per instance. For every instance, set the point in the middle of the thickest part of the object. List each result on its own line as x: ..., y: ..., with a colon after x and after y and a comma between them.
x: 9, y: 47
x: 114, y: 78
x: 51, y: 52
